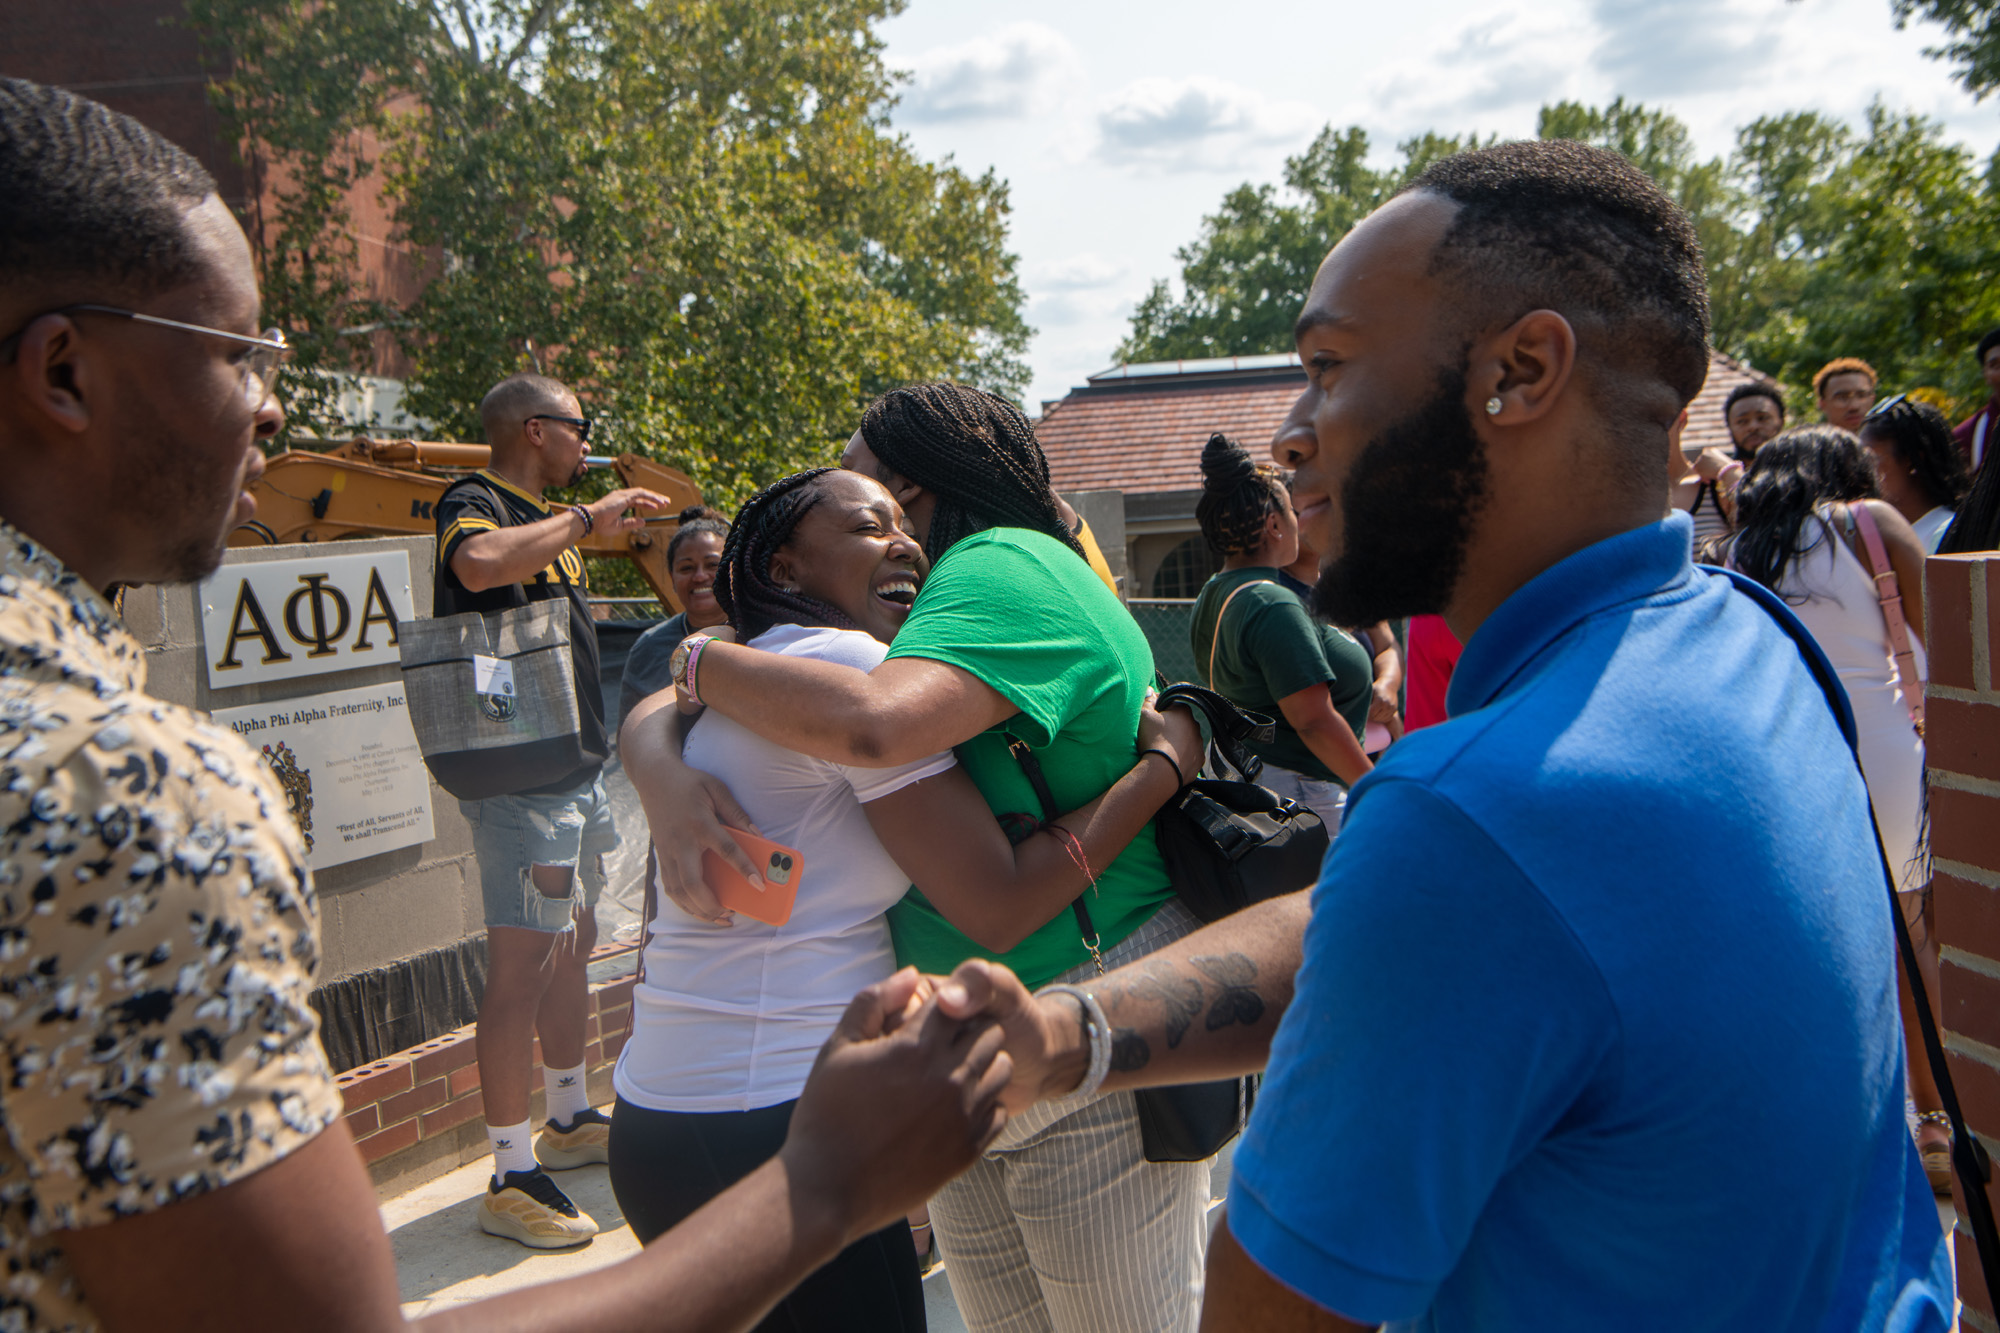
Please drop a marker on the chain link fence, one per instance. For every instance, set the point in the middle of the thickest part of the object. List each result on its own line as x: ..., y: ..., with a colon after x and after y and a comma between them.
x: 1165, y: 622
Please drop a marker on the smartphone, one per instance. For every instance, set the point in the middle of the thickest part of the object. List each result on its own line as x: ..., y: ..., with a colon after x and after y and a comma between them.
x: 768, y: 899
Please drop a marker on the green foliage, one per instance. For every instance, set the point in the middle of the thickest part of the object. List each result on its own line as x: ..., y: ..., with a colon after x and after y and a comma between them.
x: 689, y: 210
x: 1975, y: 29
x: 1821, y: 241
x: 1245, y: 276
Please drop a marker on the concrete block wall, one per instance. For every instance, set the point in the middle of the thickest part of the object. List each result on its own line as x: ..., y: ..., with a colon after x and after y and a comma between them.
x: 380, y: 909
x: 418, y: 1114
x: 1962, y: 731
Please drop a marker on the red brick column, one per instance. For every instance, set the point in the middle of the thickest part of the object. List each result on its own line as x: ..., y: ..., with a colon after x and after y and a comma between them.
x: 1962, y: 742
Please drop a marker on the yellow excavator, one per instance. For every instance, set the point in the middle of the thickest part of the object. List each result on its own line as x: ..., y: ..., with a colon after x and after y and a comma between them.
x: 387, y: 488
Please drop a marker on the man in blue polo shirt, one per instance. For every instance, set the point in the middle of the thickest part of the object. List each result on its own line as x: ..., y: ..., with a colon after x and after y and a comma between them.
x: 1594, y: 1021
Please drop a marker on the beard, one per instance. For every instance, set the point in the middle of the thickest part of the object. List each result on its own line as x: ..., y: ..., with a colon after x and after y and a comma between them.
x: 1406, y: 508
x: 189, y: 498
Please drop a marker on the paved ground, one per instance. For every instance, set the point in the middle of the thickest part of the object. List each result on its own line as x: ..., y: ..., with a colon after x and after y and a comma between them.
x: 444, y: 1259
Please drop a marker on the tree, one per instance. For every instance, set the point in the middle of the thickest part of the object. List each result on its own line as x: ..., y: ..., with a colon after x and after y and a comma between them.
x: 1246, y: 275
x: 1819, y: 242
x: 690, y: 210
x: 1975, y: 24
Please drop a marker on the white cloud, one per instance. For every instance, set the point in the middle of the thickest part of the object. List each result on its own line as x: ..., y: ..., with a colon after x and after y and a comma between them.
x: 1000, y: 74
x: 1195, y: 122
x: 1082, y: 272
x: 1653, y: 51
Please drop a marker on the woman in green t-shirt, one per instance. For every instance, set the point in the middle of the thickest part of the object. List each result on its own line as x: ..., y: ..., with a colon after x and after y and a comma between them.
x: 1258, y: 647
x: 1011, y: 639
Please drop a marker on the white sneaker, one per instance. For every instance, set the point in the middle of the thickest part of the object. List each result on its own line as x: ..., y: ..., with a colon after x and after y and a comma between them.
x: 529, y: 1207
x: 587, y: 1140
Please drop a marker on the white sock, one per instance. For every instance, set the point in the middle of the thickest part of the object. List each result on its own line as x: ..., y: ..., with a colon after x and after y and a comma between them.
x: 512, y: 1150
x: 567, y: 1095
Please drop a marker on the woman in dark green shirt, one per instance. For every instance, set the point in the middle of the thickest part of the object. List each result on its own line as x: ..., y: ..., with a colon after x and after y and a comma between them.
x: 1258, y: 647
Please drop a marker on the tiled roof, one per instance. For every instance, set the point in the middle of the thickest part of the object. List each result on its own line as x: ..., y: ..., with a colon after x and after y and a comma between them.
x: 1705, y: 426
x: 1143, y: 433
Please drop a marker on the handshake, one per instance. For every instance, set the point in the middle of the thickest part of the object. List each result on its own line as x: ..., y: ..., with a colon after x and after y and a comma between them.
x: 916, y: 1081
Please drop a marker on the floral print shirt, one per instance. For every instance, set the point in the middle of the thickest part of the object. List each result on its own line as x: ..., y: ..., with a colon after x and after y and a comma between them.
x: 158, y: 937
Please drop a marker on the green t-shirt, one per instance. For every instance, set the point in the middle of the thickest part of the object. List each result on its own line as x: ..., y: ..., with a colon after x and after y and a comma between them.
x: 1023, y: 613
x: 1272, y: 647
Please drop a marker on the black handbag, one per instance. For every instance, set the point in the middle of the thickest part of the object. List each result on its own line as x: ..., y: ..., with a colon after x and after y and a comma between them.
x: 1228, y: 842
x: 1186, y: 1122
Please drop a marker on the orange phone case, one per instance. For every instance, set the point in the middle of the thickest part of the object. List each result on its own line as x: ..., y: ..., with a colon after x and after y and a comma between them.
x: 769, y: 901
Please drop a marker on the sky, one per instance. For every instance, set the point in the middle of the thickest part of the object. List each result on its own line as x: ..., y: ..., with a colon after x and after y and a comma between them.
x: 1118, y: 126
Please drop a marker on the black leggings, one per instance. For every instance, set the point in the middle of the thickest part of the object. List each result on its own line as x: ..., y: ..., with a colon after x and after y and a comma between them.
x: 666, y: 1164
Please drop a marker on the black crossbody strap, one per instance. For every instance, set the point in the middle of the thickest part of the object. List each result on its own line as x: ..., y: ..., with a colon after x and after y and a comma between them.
x: 1975, y: 1169
x: 1031, y: 768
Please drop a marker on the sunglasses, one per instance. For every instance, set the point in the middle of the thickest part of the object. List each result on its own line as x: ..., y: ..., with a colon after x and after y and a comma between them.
x: 582, y: 424
x: 268, y: 351
x: 1886, y: 406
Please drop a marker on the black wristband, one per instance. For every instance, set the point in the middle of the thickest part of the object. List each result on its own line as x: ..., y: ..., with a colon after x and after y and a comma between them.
x: 1172, y: 762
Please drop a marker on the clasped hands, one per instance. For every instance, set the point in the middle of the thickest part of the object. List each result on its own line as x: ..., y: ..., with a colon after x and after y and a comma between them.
x: 916, y: 1081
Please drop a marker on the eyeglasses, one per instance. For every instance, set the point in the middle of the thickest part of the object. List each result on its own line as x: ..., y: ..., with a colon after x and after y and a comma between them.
x: 268, y: 351
x: 582, y: 424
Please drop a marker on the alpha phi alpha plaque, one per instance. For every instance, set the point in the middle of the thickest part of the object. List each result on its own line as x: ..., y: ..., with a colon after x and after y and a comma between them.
x: 349, y: 766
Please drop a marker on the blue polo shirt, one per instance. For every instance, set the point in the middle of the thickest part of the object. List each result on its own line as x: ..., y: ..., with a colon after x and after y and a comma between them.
x: 1597, y: 1024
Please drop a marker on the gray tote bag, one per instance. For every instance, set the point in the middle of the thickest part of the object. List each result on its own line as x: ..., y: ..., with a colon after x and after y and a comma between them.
x: 493, y: 698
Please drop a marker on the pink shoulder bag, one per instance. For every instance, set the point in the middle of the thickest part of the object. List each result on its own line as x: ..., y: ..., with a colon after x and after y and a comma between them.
x: 1890, y: 594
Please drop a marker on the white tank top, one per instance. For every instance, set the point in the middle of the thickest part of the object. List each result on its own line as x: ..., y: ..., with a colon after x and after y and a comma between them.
x: 1841, y: 610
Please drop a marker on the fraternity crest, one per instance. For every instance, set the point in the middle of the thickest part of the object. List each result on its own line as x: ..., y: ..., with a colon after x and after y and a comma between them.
x: 298, y: 786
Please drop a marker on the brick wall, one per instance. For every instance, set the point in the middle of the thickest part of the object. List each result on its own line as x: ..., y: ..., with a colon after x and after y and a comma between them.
x: 1962, y: 729
x: 418, y: 1114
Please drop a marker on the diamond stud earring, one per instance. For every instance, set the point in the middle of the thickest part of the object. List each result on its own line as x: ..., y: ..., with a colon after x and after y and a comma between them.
x: 1493, y: 406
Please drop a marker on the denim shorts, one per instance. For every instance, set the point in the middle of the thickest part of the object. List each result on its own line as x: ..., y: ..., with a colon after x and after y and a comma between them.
x: 512, y: 833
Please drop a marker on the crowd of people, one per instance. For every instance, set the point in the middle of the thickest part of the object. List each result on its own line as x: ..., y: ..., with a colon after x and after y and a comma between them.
x: 1525, y: 1044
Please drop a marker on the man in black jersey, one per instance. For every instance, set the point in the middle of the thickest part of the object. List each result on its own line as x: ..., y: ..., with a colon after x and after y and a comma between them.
x: 500, y: 546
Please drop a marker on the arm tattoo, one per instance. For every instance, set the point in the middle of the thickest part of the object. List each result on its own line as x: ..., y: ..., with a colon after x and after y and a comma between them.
x: 1235, y: 977
x: 1179, y: 996
x: 1129, y: 1051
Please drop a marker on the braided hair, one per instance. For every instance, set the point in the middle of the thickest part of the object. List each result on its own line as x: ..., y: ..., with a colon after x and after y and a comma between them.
x: 697, y: 519
x: 1920, y: 438
x: 749, y: 596
x: 975, y: 453
x: 1238, y: 495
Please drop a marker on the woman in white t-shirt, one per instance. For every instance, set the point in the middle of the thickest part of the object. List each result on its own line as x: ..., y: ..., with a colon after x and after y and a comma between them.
x: 730, y: 1014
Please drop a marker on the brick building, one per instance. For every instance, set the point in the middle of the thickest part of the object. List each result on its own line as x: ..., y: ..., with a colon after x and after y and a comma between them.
x: 1140, y: 428
x: 141, y: 57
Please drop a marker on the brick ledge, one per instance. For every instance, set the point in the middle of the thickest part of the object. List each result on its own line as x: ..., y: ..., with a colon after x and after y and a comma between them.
x: 418, y: 1114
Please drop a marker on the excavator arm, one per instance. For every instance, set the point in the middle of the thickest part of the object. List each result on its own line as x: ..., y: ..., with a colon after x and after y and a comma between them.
x: 388, y: 488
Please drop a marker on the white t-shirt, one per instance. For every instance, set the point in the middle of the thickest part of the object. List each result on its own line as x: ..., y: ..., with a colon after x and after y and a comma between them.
x: 1931, y: 527
x: 730, y: 1018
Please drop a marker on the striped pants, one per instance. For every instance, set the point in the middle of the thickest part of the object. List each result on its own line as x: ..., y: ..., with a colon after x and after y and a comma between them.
x: 1063, y: 1226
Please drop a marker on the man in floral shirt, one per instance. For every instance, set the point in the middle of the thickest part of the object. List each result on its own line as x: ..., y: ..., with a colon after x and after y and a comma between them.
x: 171, y: 1149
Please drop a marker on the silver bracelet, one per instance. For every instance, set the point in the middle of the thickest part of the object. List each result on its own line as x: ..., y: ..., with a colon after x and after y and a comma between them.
x: 1099, y: 1028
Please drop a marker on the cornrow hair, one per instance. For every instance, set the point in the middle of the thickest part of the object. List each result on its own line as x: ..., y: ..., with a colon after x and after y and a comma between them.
x: 975, y: 453
x: 697, y: 519
x: 749, y: 596
x: 1238, y: 495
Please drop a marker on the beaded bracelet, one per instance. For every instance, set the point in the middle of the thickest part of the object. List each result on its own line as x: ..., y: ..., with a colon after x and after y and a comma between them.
x: 584, y: 513
x: 681, y: 665
x: 1099, y: 1028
